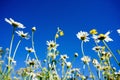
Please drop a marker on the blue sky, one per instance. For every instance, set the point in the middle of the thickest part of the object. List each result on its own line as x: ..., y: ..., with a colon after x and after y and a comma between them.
x: 70, y: 15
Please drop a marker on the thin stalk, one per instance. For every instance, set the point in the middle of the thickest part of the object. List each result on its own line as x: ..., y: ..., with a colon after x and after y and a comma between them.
x: 27, y: 57
x: 16, y: 48
x: 111, y: 53
x: 98, y: 74
x: 34, y: 48
x: 82, y: 49
x: 90, y: 71
x: 11, y: 43
x: 83, y: 56
x: 63, y: 71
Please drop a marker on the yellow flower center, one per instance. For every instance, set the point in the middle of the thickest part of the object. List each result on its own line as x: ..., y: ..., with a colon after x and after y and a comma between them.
x: 15, y: 24
x: 83, y: 37
x: 93, y: 31
x: 101, y: 37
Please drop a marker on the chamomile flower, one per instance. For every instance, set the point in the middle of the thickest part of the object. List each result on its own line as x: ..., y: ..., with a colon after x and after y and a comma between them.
x: 29, y: 49
x: 95, y: 62
x: 32, y: 62
x: 22, y: 34
x: 97, y: 48
x: 69, y: 64
x: 14, y: 23
x: 86, y: 59
x: 52, y: 45
x: 83, y: 36
x: 104, y: 37
x: 63, y: 57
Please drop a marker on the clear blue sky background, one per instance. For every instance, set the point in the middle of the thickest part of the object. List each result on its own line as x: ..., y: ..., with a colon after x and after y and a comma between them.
x: 70, y: 15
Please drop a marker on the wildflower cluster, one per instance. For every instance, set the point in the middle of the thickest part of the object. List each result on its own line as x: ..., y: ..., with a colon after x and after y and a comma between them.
x: 57, y: 65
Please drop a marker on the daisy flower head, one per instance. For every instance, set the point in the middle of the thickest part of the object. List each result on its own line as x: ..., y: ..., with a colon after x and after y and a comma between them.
x: 14, y: 23
x: 63, y: 57
x: 105, y: 37
x: 83, y: 36
x: 97, y: 48
x: 86, y: 59
x: 32, y: 62
x: 69, y: 65
x: 52, y: 45
x: 29, y: 49
x: 22, y: 34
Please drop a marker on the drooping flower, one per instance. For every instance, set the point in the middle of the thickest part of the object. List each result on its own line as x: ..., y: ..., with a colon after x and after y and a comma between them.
x: 14, y: 23
x: 22, y: 34
x: 86, y: 59
x: 29, y: 49
x: 33, y: 28
x: 83, y: 36
x: 69, y: 65
x: 76, y: 54
x: 52, y: 45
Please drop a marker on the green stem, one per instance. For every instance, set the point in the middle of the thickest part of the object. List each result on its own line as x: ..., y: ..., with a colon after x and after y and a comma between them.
x: 98, y: 74
x: 16, y: 48
x: 63, y: 71
x: 111, y: 53
x: 11, y: 43
x: 90, y: 71
x: 34, y: 49
x: 27, y: 57
x: 82, y: 49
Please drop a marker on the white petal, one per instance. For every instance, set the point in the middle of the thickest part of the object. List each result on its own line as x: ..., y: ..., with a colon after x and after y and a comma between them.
x: 7, y: 20
x: 118, y: 31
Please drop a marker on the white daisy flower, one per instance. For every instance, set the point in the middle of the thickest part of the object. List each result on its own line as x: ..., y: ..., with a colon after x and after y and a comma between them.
x: 69, y: 64
x: 86, y: 59
x: 29, y: 49
x: 95, y: 62
x: 104, y: 37
x: 52, y: 45
x: 22, y: 34
x: 14, y: 23
x: 83, y: 36
x: 63, y: 57
x: 97, y: 48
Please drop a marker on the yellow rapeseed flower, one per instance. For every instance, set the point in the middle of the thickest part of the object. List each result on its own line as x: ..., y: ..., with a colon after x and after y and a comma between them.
x: 93, y: 31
